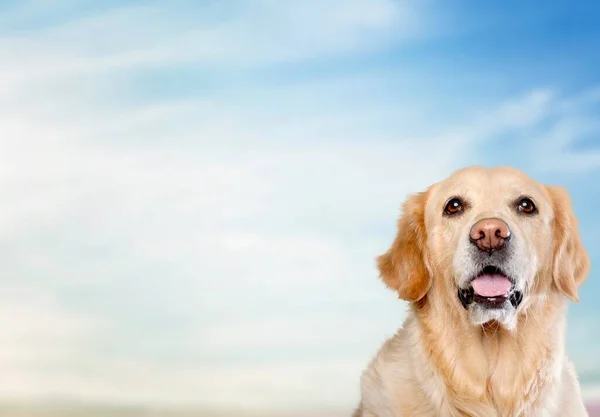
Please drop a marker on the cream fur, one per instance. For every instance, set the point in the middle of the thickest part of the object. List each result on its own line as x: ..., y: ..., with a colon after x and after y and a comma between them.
x: 448, y: 361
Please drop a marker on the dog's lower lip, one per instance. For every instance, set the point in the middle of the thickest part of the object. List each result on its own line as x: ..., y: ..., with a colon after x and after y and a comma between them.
x: 492, y: 302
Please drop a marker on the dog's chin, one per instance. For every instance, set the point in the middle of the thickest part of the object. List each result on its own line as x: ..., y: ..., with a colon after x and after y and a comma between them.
x: 504, y: 315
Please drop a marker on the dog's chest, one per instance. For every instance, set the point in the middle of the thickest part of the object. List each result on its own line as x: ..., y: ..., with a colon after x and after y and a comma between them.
x: 501, y: 381
x: 518, y: 376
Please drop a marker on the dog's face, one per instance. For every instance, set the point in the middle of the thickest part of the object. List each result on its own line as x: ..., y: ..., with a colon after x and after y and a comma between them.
x: 491, y: 241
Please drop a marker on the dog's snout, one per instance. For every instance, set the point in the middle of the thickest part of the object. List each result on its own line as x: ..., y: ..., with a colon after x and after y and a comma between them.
x: 490, y: 234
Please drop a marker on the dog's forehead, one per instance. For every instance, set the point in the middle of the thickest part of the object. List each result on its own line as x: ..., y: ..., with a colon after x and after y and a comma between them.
x: 491, y: 184
x: 489, y: 180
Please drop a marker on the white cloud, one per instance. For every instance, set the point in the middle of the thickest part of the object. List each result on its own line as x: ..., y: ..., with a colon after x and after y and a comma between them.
x: 554, y: 135
x: 130, y: 232
x: 231, y: 33
x: 38, y: 335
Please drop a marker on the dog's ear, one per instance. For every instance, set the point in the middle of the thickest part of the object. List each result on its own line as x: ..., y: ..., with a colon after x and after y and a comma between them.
x: 402, y: 267
x: 571, y: 263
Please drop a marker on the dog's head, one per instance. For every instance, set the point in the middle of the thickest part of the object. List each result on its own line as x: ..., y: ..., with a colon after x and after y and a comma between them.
x: 491, y: 241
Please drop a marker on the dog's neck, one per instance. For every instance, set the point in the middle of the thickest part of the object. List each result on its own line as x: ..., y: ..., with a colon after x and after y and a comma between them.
x: 489, y: 363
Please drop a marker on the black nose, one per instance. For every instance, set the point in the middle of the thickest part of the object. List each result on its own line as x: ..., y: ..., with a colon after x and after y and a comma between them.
x: 490, y: 234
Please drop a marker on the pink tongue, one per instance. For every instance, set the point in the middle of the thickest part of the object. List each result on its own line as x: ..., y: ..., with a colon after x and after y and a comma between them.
x: 491, y: 285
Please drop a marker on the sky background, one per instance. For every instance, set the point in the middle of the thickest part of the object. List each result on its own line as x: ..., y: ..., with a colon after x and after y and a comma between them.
x: 194, y: 192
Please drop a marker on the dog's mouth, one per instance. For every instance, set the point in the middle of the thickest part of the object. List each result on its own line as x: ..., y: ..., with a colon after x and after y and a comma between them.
x: 491, y: 287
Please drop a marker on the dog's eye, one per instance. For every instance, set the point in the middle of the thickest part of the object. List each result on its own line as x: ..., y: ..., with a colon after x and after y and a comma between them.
x: 454, y: 206
x: 526, y: 206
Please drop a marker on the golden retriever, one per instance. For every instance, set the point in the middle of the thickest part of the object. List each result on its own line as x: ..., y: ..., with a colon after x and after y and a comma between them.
x: 487, y: 260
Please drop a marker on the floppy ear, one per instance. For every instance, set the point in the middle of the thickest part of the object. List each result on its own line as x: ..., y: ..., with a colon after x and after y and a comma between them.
x: 571, y: 261
x: 402, y: 267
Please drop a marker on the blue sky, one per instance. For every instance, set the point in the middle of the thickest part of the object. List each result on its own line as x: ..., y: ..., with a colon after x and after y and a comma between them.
x: 194, y: 192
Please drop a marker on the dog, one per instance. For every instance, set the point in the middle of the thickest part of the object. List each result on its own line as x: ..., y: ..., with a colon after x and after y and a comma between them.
x: 487, y: 260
